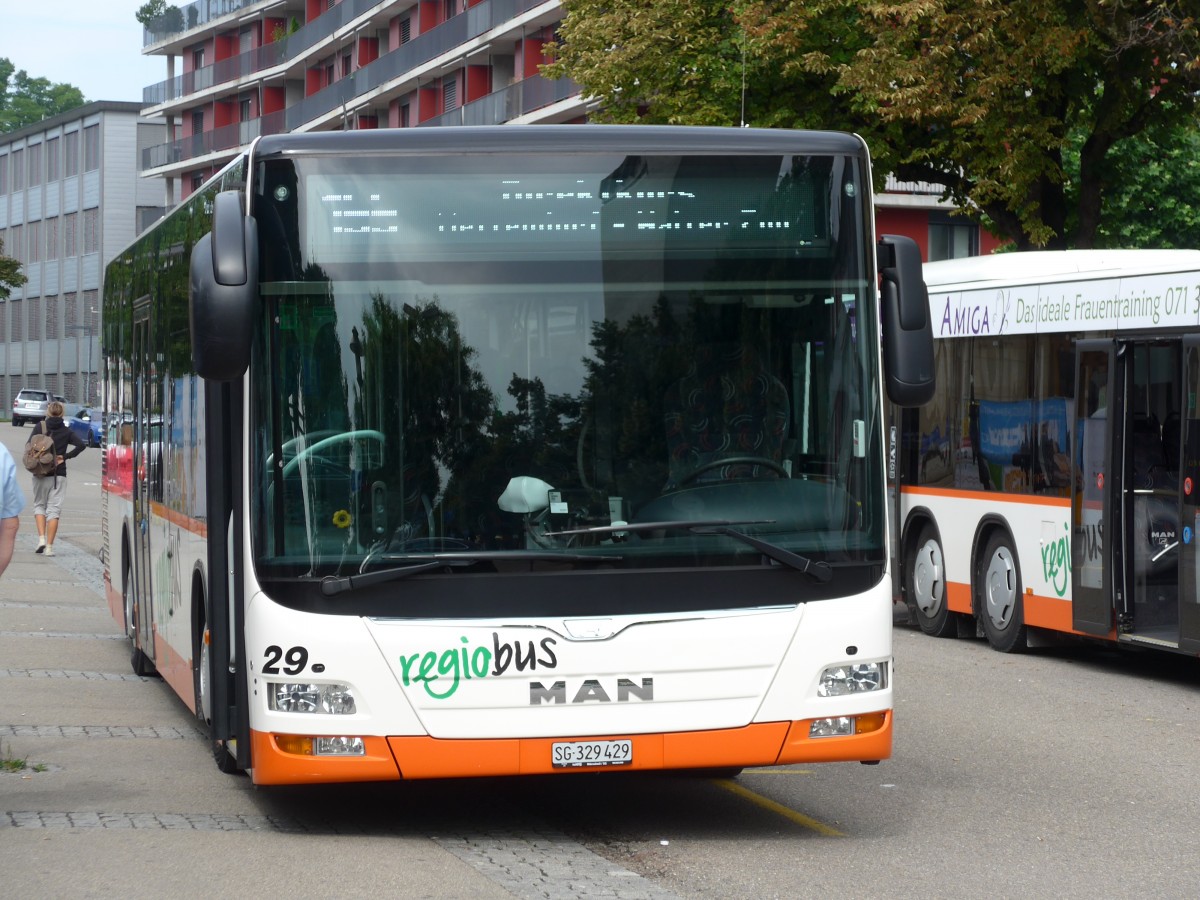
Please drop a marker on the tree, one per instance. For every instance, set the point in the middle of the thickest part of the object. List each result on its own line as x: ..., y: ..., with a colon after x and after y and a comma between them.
x: 982, y: 97
x: 11, y: 276
x: 25, y: 100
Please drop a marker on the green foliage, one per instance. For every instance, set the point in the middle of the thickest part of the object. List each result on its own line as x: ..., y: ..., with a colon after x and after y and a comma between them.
x: 982, y: 97
x: 160, y: 17
x: 25, y: 100
x: 11, y: 276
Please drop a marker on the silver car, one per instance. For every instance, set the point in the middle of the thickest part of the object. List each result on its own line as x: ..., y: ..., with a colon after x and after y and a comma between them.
x: 30, y: 405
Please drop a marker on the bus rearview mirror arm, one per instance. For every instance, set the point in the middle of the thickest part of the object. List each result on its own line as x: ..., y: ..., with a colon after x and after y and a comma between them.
x: 907, y: 328
x: 223, y: 291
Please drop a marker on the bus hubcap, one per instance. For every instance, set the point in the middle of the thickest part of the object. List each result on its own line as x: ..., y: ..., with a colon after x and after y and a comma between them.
x: 1000, y: 587
x: 927, y: 578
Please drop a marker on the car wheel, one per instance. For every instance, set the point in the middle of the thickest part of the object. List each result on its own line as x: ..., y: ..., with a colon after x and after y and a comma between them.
x: 17, y: 422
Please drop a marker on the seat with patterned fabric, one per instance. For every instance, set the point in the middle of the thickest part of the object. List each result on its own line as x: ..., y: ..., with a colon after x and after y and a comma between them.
x: 728, y: 407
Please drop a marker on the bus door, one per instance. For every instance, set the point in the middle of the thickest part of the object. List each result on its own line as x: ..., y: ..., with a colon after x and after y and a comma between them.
x: 143, y: 387
x: 1091, y: 491
x: 1148, y: 611
x: 1189, y: 500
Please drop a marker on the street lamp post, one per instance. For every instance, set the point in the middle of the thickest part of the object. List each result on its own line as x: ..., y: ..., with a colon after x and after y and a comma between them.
x: 89, y: 330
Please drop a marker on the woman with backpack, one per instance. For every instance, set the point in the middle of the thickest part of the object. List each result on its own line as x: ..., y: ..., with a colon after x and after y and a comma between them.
x: 49, y: 489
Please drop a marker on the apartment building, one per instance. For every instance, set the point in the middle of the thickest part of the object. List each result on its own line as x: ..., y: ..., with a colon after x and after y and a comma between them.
x: 71, y: 197
x: 240, y: 68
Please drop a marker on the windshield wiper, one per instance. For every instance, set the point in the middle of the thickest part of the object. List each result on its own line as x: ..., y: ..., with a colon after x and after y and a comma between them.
x: 821, y: 571
x: 426, y: 562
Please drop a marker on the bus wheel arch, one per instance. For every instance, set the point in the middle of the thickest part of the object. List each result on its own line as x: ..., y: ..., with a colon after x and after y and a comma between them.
x: 997, y: 589
x: 925, y: 578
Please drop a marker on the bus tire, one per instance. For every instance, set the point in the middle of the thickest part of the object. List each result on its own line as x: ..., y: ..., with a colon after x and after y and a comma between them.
x: 141, y: 664
x: 925, y: 572
x: 202, y: 676
x: 1001, y: 610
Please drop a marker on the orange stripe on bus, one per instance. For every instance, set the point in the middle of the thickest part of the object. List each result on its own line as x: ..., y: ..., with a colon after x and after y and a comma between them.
x: 1051, y: 613
x: 958, y: 597
x: 989, y: 496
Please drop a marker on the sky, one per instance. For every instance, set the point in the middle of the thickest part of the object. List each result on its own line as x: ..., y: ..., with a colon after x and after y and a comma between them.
x: 96, y: 45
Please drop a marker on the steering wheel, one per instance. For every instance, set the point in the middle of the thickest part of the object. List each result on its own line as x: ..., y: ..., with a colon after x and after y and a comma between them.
x: 312, y: 449
x: 734, y: 461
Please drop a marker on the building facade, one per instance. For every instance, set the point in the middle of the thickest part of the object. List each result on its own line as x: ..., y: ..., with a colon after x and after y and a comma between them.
x: 240, y: 68
x: 70, y: 198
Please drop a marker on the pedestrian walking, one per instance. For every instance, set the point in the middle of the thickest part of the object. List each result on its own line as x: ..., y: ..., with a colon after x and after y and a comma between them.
x: 48, y: 490
x: 12, y: 501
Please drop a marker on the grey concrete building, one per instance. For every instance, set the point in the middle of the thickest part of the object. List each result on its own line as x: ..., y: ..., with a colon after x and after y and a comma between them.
x: 71, y: 197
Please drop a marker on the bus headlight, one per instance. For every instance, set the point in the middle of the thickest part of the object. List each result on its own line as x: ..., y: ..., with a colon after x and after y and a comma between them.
x: 293, y: 697
x: 837, y: 681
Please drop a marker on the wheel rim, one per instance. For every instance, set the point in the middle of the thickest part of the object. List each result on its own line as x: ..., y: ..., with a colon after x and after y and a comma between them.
x: 1000, y: 587
x: 927, y: 581
x: 205, y: 688
x: 130, y: 628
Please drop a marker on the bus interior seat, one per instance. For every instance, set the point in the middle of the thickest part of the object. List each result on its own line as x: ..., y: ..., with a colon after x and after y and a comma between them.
x: 728, y: 405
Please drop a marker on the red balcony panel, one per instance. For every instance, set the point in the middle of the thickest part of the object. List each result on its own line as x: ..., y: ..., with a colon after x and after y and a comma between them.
x: 312, y: 9
x: 368, y: 122
x: 368, y: 51
x: 429, y: 15
x: 313, y: 81
x: 429, y: 103
x: 274, y: 99
x: 531, y: 55
x: 224, y: 113
x: 226, y: 46
x: 479, y: 82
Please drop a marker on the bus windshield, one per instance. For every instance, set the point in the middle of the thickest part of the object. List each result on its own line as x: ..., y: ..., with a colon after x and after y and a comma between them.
x: 563, y: 360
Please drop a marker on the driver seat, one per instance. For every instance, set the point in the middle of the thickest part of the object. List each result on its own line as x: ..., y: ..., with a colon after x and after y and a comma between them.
x: 727, y: 405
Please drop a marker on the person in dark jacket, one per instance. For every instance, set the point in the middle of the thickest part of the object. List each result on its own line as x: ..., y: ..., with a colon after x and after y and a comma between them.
x: 48, y: 490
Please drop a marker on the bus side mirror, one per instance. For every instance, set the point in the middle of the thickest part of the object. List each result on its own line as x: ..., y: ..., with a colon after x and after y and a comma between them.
x: 223, y: 291
x: 907, y: 328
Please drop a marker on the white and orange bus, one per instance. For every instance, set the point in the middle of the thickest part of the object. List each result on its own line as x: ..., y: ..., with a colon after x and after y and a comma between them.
x: 1052, y: 484
x: 494, y: 451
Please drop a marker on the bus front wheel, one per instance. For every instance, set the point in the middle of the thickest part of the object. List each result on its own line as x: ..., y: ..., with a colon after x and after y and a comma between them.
x: 203, y: 678
x: 926, y: 574
x: 1001, y: 610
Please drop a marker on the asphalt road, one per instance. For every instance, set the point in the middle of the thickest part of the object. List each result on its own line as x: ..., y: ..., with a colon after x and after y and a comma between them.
x: 1066, y: 772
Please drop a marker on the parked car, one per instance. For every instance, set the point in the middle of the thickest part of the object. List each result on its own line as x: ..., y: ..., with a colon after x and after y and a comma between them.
x: 30, y: 405
x: 86, y: 422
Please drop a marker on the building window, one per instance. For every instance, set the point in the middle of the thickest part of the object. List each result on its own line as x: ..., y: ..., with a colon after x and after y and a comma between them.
x: 405, y: 30
x: 18, y: 170
x: 35, y: 164
x: 3, y: 175
x: 53, y: 318
x: 91, y: 231
x: 52, y: 238
x: 15, y: 317
x: 952, y: 239
x: 91, y: 148
x: 33, y: 236
x: 197, y: 121
x: 198, y: 58
x: 70, y: 235
x: 345, y: 65
x: 34, y: 319
x: 52, y: 172
x: 449, y: 95
x: 71, y: 153
x: 16, y: 236
x: 197, y: 181
x: 244, y: 110
x: 404, y: 116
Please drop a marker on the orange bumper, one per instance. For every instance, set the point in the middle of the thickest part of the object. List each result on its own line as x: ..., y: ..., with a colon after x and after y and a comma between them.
x: 393, y: 758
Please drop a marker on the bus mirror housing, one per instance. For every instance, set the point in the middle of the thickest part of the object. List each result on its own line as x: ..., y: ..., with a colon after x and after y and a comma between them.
x: 223, y: 291
x: 907, y: 328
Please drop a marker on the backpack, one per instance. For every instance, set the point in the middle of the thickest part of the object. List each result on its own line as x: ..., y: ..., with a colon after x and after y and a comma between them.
x: 40, y: 457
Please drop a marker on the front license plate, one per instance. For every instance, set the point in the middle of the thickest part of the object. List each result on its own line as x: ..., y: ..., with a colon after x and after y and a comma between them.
x: 574, y: 754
